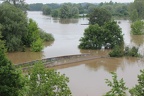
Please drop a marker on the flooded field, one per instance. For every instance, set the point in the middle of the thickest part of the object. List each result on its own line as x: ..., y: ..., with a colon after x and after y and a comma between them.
x: 86, y: 78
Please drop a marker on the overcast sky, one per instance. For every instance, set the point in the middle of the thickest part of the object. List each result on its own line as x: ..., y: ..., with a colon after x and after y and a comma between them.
x: 75, y: 1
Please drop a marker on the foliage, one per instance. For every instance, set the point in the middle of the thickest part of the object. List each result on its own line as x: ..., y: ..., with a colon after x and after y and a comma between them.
x: 74, y: 12
x: 137, y: 28
x: 64, y: 11
x: 99, y: 16
x: 37, y: 45
x: 47, y: 82
x: 131, y: 52
x: 136, y: 10
x: 13, y: 43
x: 14, y: 26
x: 35, y: 7
x: 46, y: 10
x: 138, y: 90
x: 46, y: 36
x: 117, y: 52
x: 2, y: 46
x: 55, y: 13
x: 96, y: 36
x: 115, y: 8
x: 134, y: 15
x: 33, y: 33
x: 118, y: 87
x: 18, y: 3
x: 11, y: 80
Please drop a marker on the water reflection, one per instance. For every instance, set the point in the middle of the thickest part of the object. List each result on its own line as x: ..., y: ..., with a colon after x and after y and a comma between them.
x: 88, y: 78
x: 137, y: 39
x: 68, y: 21
x: 48, y: 44
x: 20, y: 57
x: 96, y: 52
x: 110, y: 64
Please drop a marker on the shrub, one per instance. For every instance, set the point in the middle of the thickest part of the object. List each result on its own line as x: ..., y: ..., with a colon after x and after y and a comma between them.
x: 131, y: 52
x: 117, y: 52
x: 37, y: 45
x: 137, y: 28
x: 46, y: 36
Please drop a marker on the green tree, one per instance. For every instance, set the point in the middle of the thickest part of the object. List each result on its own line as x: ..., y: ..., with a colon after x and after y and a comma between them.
x: 37, y: 45
x: 64, y: 11
x: 47, y: 82
x: 118, y: 87
x: 95, y: 36
x: 137, y: 28
x: 11, y: 80
x: 74, y: 12
x: 117, y: 51
x: 134, y: 15
x: 14, y: 26
x: 46, y: 10
x: 136, y: 9
x: 18, y: 3
x: 35, y: 7
x: 33, y: 33
x: 55, y: 13
x: 138, y: 90
x: 99, y: 16
x: 46, y: 36
x: 139, y: 6
x: 2, y: 46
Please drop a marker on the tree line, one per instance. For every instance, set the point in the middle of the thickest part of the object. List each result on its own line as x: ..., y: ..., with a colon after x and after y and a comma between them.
x: 72, y: 9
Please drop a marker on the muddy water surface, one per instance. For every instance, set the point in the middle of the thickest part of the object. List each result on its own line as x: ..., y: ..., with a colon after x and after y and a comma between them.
x: 86, y: 78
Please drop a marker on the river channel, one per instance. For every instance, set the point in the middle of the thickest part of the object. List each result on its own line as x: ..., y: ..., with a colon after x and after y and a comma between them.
x: 87, y: 78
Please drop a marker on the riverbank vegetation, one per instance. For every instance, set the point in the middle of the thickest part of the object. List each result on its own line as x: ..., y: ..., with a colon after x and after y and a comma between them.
x: 102, y: 32
x: 137, y: 16
x: 118, y: 87
x: 38, y: 82
x: 18, y: 31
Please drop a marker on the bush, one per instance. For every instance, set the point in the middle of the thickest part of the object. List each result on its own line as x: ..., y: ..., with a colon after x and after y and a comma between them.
x: 137, y: 28
x: 46, y: 36
x: 131, y: 52
x: 37, y: 45
x: 117, y: 52
x: 47, y: 82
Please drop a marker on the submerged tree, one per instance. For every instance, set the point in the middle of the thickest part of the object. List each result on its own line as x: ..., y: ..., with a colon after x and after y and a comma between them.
x: 99, y: 16
x: 109, y: 35
x: 137, y: 27
x: 47, y: 82
x: 64, y: 11
x: 46, y: 10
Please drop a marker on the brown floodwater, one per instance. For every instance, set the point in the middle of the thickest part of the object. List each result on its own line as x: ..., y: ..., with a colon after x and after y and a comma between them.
x: 86, y: 78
